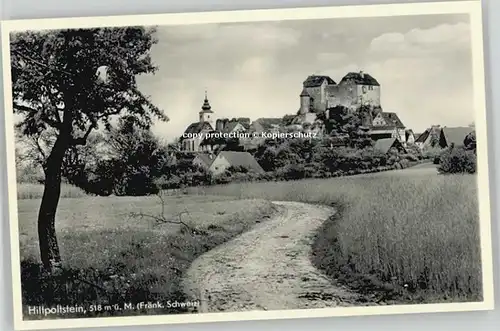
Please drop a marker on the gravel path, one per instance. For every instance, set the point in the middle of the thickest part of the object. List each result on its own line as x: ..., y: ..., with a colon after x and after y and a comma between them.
x: 267, y: 268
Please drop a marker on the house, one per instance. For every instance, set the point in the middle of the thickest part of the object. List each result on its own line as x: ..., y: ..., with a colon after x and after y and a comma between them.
x: 386, y: 144
x: 429, y: 138
x: 388, y: 125
x: 269, y: 124
x: 234, y: 125
x: 226, y: 159
x: 453, y: 136
x: 204, y: 160
x: 388, y: 118
x: 410, y: 137
x: 382, y: 132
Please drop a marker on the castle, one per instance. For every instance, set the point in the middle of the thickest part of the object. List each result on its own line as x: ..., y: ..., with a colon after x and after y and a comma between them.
x: 319, y: 95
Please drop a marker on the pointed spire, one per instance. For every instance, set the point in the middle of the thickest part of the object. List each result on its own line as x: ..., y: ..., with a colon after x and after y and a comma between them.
x: 206, y: 105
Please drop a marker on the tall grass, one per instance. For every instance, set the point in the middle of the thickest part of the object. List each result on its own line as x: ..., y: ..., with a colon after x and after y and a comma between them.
x: 110, y: 257
x: 35, y: 191
x: 418, y: 232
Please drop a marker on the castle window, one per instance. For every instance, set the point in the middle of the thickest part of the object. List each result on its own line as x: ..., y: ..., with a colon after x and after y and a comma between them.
x: 370, y: 88
x: 363, y: 89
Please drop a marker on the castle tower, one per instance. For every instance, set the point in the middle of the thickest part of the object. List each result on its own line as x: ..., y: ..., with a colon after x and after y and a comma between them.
x: 305, y: 102
x: 206, y: 113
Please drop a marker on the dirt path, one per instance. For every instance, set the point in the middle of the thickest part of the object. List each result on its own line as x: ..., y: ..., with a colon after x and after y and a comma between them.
x: 267, y: 268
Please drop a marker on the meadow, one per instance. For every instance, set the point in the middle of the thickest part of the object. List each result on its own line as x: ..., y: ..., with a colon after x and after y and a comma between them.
x: 35, y: 191
x: 111, y: 256
x: 403, y: 236
x: 399, y: 236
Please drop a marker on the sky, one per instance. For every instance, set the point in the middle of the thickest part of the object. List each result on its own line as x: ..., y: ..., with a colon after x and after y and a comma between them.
x: 256, y: 69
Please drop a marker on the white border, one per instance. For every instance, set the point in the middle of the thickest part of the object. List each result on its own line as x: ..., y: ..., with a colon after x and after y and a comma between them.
x: 473, y: 8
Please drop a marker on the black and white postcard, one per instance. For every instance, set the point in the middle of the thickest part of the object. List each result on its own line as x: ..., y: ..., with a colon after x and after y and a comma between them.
x: 243, y: 165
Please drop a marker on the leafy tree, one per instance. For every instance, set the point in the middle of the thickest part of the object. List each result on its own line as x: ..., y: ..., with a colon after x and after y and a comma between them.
x: 338, y: 120
x: 342, y: 122
x: 138, y: 159
x: 73, y: 81
x: 33, y: 151
x: 470, y: 141
x: 267, y: 157
x: 81, y: 159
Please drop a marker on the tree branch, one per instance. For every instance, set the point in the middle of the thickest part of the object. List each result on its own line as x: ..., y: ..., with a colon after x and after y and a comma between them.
x: 39, y: 148
x: 116, y: 112
x: 53, y: 123
x: 40, y: 64
x: 163, y: 220
x: 83, y: 140
x: 56, y: 109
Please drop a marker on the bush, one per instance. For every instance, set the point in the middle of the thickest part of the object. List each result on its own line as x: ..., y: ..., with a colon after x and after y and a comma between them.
x: 238, y: 169
x: 404, y: 163
x: 411, y: 157
x: 430, y: 153
x: 457, y: 160
x: 415, y: 151
x: 294, y: 172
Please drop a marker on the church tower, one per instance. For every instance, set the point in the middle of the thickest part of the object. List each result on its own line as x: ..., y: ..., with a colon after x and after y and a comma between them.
x: 206, y: 113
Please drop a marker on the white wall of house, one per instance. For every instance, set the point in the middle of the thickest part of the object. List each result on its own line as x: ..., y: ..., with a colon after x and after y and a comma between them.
x: 238, y: 128
x: 219, y: 165
x: 411, y: 138
x: 425, y: 143
x: 401, y: 135
x: 198, y: 161
x: 379, y: 120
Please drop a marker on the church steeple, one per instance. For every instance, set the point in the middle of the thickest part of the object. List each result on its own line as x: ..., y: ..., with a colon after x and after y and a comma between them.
x: 206, y: 112
x: 206, y: 105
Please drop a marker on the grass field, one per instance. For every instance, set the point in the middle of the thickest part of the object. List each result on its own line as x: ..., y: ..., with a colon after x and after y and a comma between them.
x: 409, y: 234
x: 112, y: 256
x: 35, y: 191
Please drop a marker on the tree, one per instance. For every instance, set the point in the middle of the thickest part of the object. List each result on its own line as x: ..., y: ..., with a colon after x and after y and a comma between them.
x: 470, y: 141
x: 73, y: 82
x: 35, y: 149
x: 139, y: 158
x: 342, y: 122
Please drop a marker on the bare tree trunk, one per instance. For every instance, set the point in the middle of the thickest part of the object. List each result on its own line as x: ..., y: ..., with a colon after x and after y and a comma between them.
x: 49, y: 248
